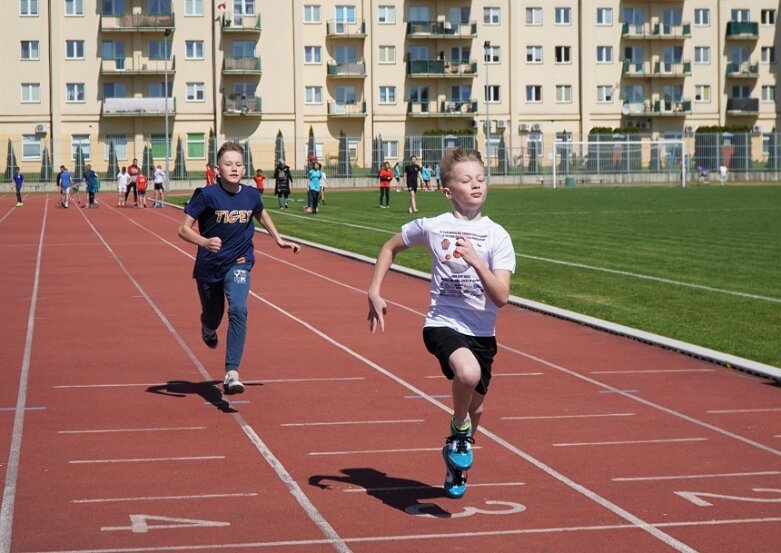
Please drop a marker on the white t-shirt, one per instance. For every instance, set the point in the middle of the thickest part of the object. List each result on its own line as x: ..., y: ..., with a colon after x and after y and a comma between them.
x: 458, y: 299
x: 159, y: 176
x: 123, y: 179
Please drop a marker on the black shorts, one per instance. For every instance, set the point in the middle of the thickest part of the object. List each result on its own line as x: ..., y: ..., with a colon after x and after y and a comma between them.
x: 441, y: 342
x: 158, y: 186
x: 412, y: 186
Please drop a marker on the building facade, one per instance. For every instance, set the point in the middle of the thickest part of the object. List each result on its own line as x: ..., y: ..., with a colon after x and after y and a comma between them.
x: 85, y: 74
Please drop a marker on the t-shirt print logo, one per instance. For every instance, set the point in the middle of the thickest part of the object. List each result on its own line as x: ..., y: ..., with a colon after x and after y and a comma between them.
x: 240, y: 276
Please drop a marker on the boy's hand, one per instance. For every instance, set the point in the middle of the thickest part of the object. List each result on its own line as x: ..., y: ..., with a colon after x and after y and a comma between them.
x: 291, y: 245
x: 466, y: 251
x: 377, y: 310
x: 213, y: 244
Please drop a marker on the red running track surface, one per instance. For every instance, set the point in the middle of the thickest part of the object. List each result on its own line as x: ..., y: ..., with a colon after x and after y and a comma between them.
x: 115, y: 436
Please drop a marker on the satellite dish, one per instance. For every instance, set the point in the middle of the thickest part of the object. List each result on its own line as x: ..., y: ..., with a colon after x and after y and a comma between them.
x: 625, y: 109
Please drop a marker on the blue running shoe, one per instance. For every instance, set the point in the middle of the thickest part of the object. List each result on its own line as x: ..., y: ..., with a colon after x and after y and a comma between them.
x: 458, y: 447
x: 455, y: 480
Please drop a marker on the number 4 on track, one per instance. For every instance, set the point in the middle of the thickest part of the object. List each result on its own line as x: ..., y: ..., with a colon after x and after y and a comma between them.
x: 141, y: 524
x: 697, y: 497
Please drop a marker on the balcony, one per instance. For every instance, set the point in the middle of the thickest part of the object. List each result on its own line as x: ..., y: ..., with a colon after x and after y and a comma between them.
x: 656, y: 31
x: 351, y: 70
x: 631, y: 68
x: 241, y: 23
x: 441, y: 29
x: 744, y: 70
x: 137, y: 66
x: 668, y: 108
x: 444, y: 108
x: 136, y: 23
x: 742, y: 30
x: 347, y: 109
x: 138, y: 107
x: 742, y: 106
x: 241, y: 66
x: 241, y: 107
x: 441, y: 68
x: 669, y: 69
x: 344, y: 29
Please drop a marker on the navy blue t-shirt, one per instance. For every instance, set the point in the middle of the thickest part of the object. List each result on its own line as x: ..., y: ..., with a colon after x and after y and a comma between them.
x: 229, y: 216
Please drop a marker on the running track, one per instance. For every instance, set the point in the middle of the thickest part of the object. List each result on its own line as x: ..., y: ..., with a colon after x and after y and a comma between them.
x: 115, y: 437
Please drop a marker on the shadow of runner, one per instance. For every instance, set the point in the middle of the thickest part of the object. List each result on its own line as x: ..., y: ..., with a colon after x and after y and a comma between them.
x: 400, y: 493
x: 207, y: 390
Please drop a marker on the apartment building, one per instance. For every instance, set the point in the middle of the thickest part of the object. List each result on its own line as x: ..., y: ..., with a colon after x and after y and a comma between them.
x: 78, y: 73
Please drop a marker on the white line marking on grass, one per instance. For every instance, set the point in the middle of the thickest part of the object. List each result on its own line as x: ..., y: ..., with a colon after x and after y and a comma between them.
x: 694, y: 476
x: 656, y: 371
x: 632, y: 442
x: 406, y: 488
x: 164, y: 498
x: 758, y: 410
x: 145, y: 460
x: 339, y: 423
x: 113, y: 430
x: 649, y: 277
x: 373, y: 451
x: 548, y: 417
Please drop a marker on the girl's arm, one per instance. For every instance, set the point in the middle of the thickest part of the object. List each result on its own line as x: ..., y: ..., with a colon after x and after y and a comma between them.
x: 377, y: 305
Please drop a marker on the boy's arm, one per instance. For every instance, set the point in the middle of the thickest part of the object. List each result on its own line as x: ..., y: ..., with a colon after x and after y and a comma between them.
x: 495, y: 283
x: 377, y: 305
x: 265, y: 220
x: 188, y: 233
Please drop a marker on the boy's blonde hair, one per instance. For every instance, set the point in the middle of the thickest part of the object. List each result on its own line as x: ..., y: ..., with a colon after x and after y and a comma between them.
x: 230, y: 147
x: 454, y: 157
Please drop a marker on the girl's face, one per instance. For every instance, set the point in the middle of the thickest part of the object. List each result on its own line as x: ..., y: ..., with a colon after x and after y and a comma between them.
x: 231, y: 168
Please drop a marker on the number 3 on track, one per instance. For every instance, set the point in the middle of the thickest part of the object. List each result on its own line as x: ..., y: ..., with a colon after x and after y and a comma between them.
x: 511, y: 509
x: 140, y: 524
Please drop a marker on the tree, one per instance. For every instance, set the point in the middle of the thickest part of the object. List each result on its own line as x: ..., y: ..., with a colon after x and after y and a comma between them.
x: 378, y: 157
x: 279, y: 147
x: 78, y: 171
x: 248, y: 160
x: 147, y: 161
x: 344, y: 157
x: 311, y: 150
x: 10, y: 162
x: 113, y: 166
x: 501, y: 168
x: 179, y: 169
x: 46, y: 165
x: 212, y: 148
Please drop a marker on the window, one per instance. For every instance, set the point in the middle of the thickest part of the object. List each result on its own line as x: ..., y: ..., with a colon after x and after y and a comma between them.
x: 196, y: 92
x: 196, y: 145
x: 157, y: 50
x: 604, y: 16
x: 345, y: 14
x: 492, y: 16
x: 193, y: 49
x: 534, y: 54
x: 81, y: 141
x: 562, y: 16
x: 768, y: 93
x: 31, y: 147
x: 156, y: 90
x: 312, y: 13
x: 74, y: 49
x: 533, y: 93
x: 74, y: 92
x: 768, y: 17
x: 312, y: 54
x: 604, y: 54
x: 112, y: 7
x: 492, y: 54
x: 193, y: 7
x: 114, y: 90
x: 28, y: 7
x: 120, y: 146
x: 243, y: 49
x: 740, y: 15
x: 563, y: 54
x: 387, y: 95
x: 604, y: 94
x: 386, y: 15
x: 768, y: 54
x: 702, y: 93
x: 460, y: 54
x: 159, y: 7
x: 492, y: 93
x: 390, y: 149
x: 313, y: 95
x: 563, y: 93
x: 345, y: 95
x: 419, y: 13
x: 634, y: 93
x: 702, y: 17
x: 387, y: 54
x: 74, y: 7
x: 534, y: 16
x: 461, y: 93
x: 702, y: 54
x: 30, y: 50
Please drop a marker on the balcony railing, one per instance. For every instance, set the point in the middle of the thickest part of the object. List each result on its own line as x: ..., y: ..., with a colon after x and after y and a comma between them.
x: 347, y: 109
x: 347, y: 70
x: 441, y: 68
x: 137, y: 66
x: 241, y: 66
x: 743, y: 30
x: 655, y: 31
x: 344, y: 29
x: 669, y: 108
x: 250, y: 106
x: 138, y: 107
x: 441, y: 29
x: 442, y: 108
x: 137, y: 22
x: 744, y: 70
x: 631, y: 68
x: 240, y: 23
x: 672, y: 69
x: 742, y: 106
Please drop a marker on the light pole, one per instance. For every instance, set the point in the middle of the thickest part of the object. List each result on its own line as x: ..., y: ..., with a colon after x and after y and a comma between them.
x: 487, y: 129
x: 166, y: 34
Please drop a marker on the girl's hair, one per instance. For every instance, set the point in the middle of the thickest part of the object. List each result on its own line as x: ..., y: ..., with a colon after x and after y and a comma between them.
x: 454, y: 157
x: 230, y: 147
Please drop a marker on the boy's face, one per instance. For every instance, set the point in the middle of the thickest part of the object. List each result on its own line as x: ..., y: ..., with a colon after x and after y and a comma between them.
x: 466, y: 187
x: 230, y: 167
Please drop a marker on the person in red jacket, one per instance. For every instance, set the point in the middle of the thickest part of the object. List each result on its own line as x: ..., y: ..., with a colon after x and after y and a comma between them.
x: 142, y: 181
x: 260, y: 180
x: 133, y: 170
x: 386, y: 176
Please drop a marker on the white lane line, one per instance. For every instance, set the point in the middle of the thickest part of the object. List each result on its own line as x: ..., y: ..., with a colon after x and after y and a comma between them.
x: 627, y: 442
x: 656, y: 371
x: 119, y: 430
x: 694, y: 476
x: 148, y: 384
x: 439, y: 396
x: 494, y: 375
x: 9, y: 409
x: 294, y: 380
x: 145, y: 460
x: 15, y: 443
x: 762, y: 410
x: 163, y: 498
x: 375, y: 451
x: 548, y: 417
x: 338, y: 423
x: 408, y: 488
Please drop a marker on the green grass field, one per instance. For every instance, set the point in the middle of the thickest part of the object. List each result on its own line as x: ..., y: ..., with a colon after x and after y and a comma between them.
x: 700, y: 264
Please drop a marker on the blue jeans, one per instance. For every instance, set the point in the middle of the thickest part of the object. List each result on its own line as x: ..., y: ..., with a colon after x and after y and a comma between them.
x: 235, y: 287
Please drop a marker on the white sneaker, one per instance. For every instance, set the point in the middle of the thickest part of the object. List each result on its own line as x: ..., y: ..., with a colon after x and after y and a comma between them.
x: 232, y: 385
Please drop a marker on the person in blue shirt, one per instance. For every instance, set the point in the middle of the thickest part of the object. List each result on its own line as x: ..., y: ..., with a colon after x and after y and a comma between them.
x: 93, y: 185
x: 438, y: 175
x: 18, y: 183
x: 425, y: 175
x: 64, y: 180
x: 315, y: 182
x: 397, y: 176
x: 224, y: 214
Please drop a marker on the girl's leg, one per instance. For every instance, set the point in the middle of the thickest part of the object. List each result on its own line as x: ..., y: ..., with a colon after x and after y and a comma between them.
x: 412, y: 203
x: 382, y: 193
x: 236, y: 285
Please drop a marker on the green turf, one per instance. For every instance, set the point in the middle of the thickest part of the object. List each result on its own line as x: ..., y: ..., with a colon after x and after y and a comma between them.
x: 621, y: 254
